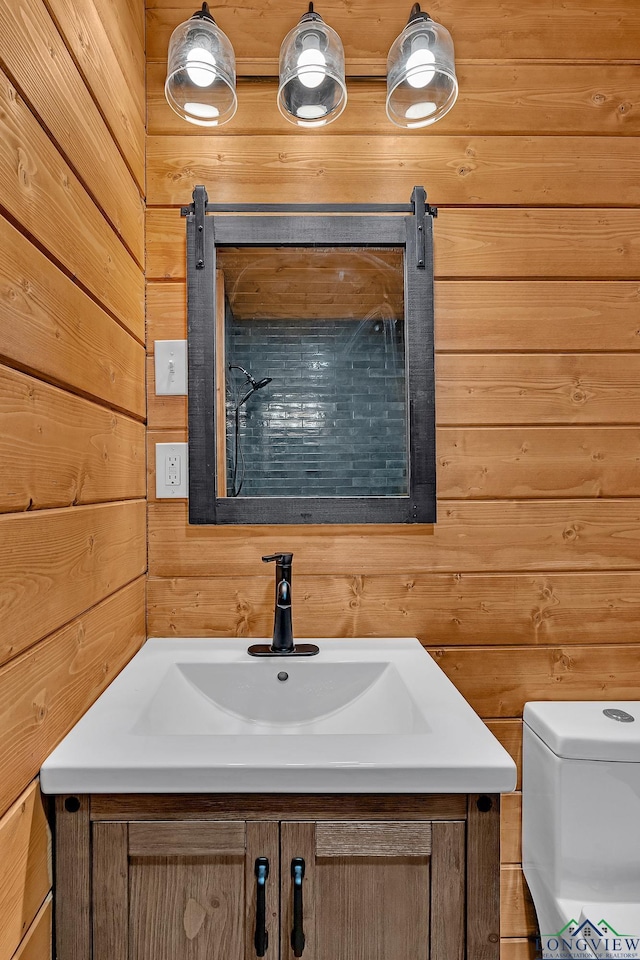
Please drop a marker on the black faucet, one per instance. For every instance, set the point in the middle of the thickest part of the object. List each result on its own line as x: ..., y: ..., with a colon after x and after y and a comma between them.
x: 282, y: 644
x: 282, y: 623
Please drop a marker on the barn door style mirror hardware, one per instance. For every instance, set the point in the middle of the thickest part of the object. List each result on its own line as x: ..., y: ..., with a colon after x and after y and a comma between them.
x: 310, y: 362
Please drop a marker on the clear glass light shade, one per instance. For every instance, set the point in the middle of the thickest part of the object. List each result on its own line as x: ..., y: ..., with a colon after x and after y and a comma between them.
x: 201, y: 74
x: 421, y: 76
x: 312, y: 89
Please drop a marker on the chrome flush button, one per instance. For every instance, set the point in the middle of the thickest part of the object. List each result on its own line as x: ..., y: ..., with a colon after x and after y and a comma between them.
x: 621, y: 715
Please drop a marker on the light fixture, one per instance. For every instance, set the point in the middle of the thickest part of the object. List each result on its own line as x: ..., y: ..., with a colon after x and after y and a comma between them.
x: 421, y: 76
x: 312, y: 90
x: 201, y: 73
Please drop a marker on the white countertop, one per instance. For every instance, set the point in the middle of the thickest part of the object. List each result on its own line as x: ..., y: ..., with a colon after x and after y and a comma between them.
x: 202, y: 716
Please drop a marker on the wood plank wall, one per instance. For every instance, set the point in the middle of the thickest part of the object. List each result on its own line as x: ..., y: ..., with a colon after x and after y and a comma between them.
x: 529, y: 585
x: 72, y: 403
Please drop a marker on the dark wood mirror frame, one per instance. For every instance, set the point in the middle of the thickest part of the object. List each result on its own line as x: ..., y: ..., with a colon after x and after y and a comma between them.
x: 405, y: 226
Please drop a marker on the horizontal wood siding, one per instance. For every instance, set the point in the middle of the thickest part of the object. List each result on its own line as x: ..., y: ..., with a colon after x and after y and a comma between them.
x: 44, y: 691
x: 37, y: 943
x: 464, y: 609
x: 64, y: 104
x: 60, y: 450
x: 497, y: 462
x: 110, y: 56
x: 53, y: 329
x: 470, y: 536
x: 25, y: 867
x: 42, y: 193
x: 475, y: 243
x: 505, y: 389
x: 57, y: 563
x: 486, y: 315
x: 552, y: 171
x: 529, y: 585
x: 579, y: 29
x: 565, y: 99
x: 72, y: 404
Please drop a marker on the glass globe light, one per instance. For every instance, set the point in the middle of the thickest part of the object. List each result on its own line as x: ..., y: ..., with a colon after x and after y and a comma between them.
x: 312, y: 90
x: 201, y: 72
x: 421, y: 77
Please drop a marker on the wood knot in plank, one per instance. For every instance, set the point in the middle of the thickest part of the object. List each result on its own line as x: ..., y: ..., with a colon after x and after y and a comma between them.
x: 356, y: 587
x: 547, y: 594
x: 194, y: 916
x: 40, y: 708
x: 562, y: 662
x: 23, y: 172
x: 538, y: 617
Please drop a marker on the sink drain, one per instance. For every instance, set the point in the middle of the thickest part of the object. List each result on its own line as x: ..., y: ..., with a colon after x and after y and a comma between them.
x: 283, y: 676
x: 620, y: 715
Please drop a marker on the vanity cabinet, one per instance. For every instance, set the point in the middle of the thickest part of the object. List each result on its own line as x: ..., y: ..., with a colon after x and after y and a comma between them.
x: 371, y: 889
x: 238, y: 877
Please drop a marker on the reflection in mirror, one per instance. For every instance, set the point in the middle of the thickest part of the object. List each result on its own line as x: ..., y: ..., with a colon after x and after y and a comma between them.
x: 310, y: 372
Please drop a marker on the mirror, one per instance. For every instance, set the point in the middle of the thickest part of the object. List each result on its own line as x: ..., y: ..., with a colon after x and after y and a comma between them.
x: 310, y: 344
x: 311, y: 354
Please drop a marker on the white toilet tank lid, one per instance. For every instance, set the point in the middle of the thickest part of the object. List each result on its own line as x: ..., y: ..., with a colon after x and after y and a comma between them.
x: 581, y: 730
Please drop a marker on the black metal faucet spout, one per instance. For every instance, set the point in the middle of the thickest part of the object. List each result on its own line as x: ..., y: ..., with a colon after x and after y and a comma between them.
x: 282, y: 619
x: 282, y: 644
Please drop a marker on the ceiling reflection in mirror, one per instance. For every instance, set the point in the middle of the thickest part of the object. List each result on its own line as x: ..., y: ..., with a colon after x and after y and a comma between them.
x: 310, y: 350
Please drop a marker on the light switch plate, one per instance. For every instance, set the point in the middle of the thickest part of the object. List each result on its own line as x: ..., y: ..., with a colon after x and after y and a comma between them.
x: 171, y: 367
x: 172, y: 470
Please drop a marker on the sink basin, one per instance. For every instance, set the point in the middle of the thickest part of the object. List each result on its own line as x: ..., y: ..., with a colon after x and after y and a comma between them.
x: 202, y: 716
x: 248, y: 698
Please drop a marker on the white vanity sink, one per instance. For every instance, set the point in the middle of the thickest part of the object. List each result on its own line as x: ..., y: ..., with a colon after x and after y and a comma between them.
x: 201, y: 715
x: 312, y: 698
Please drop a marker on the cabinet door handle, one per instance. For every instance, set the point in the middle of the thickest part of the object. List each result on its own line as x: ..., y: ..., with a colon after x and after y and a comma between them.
x: 297, y: 934
x: 261, y: 939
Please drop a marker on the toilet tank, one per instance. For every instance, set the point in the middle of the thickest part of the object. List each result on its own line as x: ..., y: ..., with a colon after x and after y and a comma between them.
x: 581, y: 799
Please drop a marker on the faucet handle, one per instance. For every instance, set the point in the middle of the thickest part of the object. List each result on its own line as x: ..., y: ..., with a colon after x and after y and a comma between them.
x: 283, y: 558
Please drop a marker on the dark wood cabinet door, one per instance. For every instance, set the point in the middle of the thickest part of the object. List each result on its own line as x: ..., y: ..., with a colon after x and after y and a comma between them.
x: 182, y: 890
x: 380, y: 890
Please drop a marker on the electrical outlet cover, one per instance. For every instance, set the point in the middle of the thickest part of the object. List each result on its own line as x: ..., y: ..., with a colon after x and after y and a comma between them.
x: 172, y: 470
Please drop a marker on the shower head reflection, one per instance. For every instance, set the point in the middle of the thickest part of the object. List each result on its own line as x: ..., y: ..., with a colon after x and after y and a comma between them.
x: 255, y: 385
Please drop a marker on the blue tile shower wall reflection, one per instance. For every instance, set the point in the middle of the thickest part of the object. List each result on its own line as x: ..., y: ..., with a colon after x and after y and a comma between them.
x: 333, y: 420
